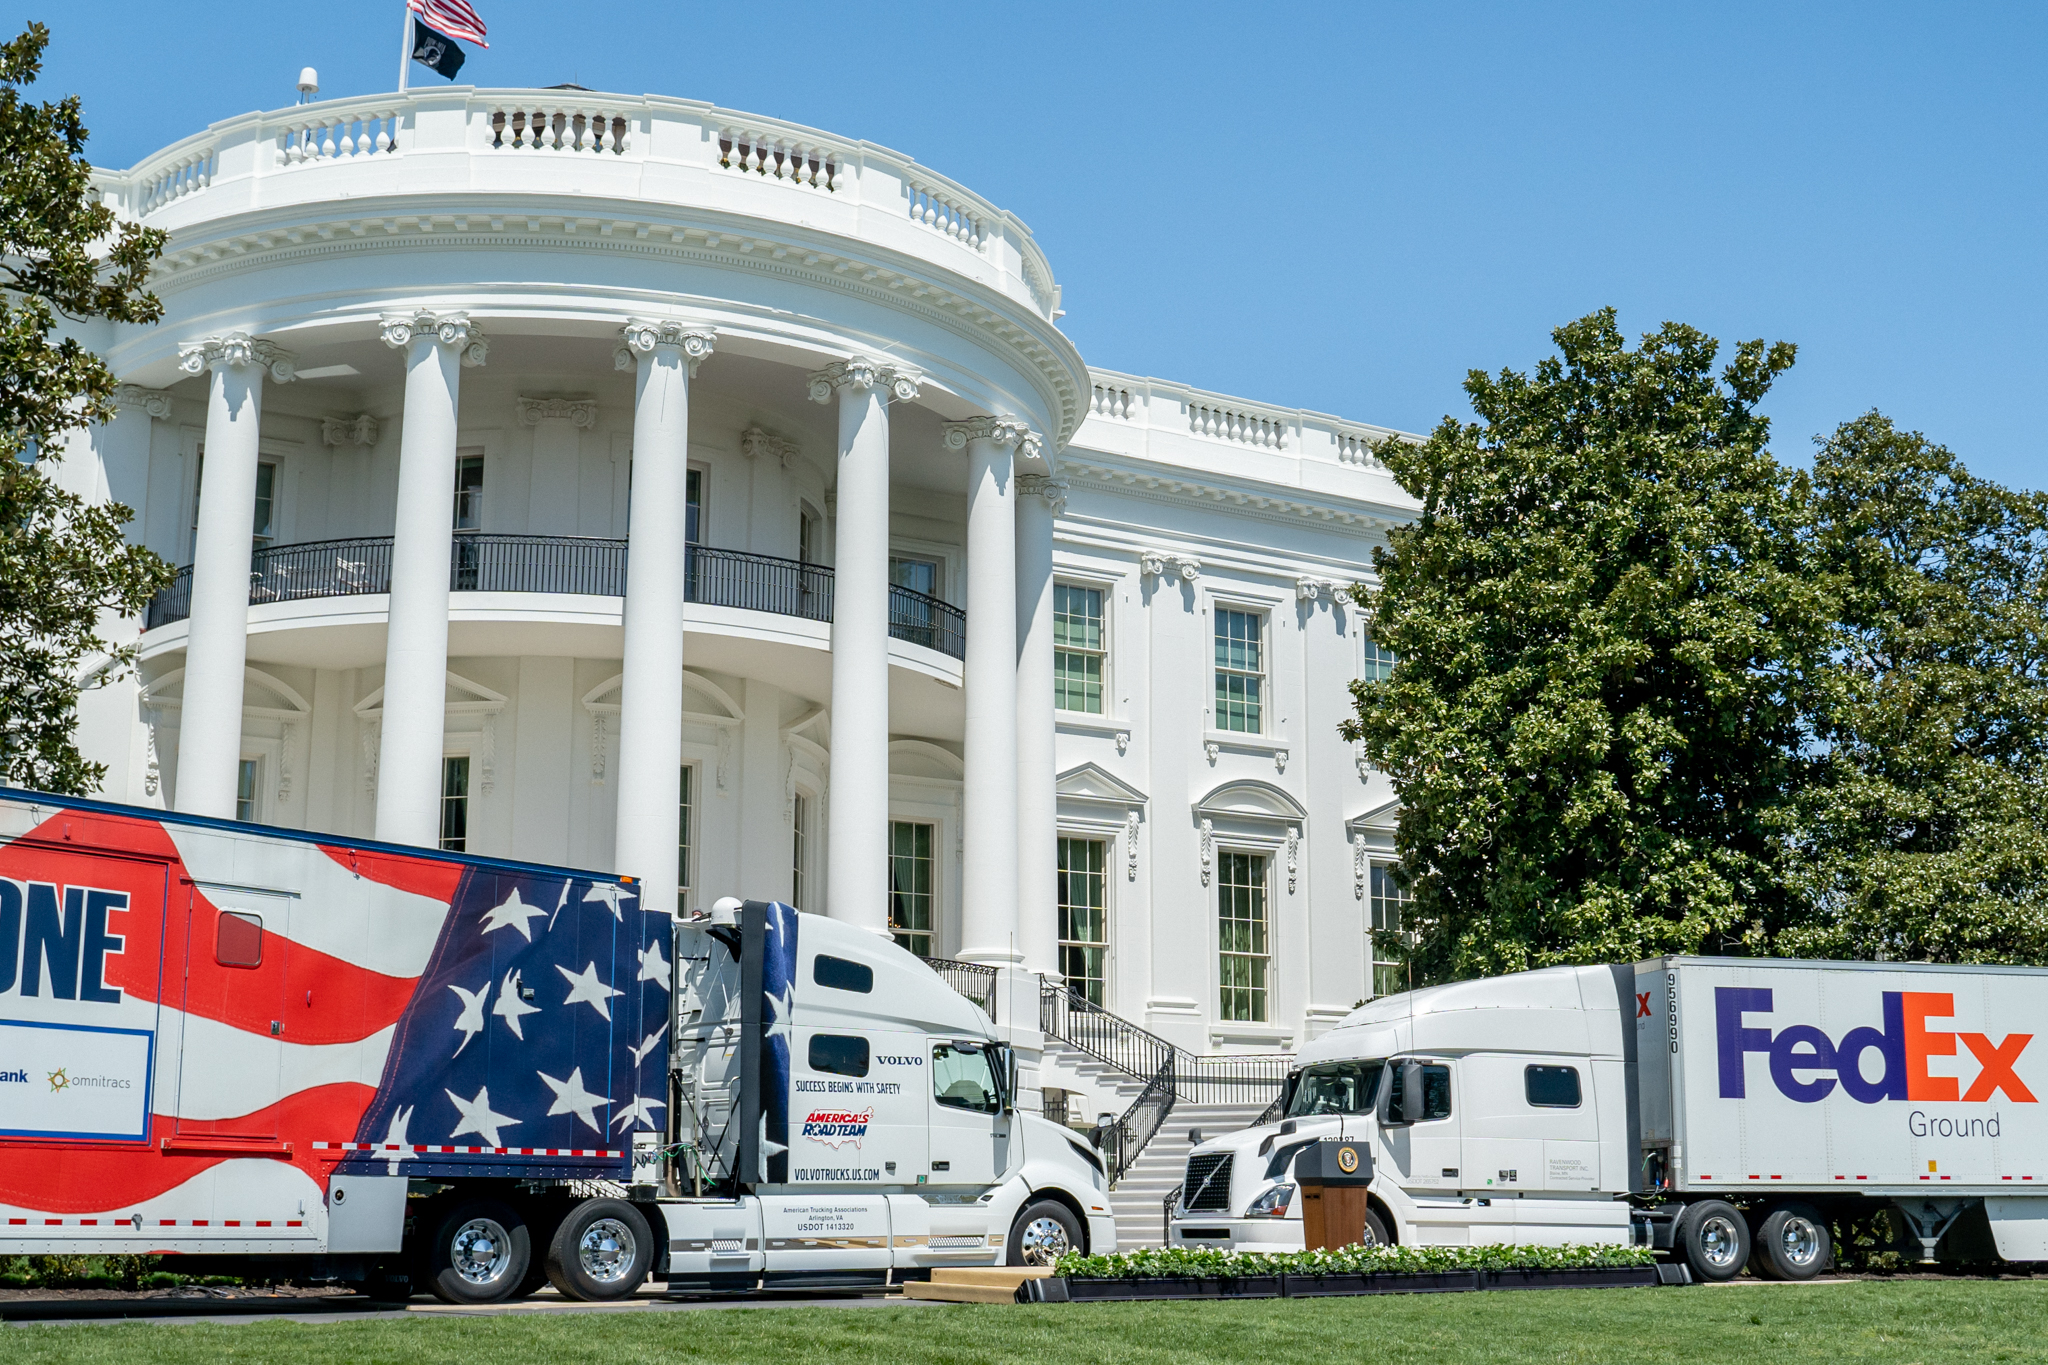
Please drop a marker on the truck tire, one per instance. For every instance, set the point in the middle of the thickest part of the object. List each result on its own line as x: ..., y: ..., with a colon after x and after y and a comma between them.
x: 479, y: 1252
x: 1043, y: 1232
x: 602, y: 1250
x: 1713, y: 1238
x: 1375, y: 1231
x: 1792, y: 1243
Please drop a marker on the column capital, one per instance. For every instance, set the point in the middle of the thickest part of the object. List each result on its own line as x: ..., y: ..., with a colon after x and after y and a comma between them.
x: 861, y: 373
x: 154, y: 402
x: 233, y: 350
x: 1004, y: 431
x: 577, y: 412
x: 755, y: 442
x: 1158, y: 563
x: 641, y: 335
x: 1048, y: 486
x: 360, y: 430
x: 450, y: 329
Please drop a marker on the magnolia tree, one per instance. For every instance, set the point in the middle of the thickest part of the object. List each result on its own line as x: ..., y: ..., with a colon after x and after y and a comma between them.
x: 64, y: 562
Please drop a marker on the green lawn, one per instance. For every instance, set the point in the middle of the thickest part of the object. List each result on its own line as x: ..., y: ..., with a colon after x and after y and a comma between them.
x: 1905, y: 1321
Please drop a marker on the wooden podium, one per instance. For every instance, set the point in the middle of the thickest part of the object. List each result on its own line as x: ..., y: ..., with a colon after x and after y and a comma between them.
x: 1333, y: 1176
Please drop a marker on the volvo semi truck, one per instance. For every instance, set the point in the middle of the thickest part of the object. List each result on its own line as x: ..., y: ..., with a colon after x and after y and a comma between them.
x: 254, y: 1047
x: 1727, y: 1111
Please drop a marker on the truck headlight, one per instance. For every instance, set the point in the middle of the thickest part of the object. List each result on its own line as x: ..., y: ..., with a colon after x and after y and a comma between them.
x: 1272, y: 1204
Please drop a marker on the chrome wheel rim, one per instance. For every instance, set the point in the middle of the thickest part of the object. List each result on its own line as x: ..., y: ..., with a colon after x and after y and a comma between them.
x: 1720, y: 1243
x: 1799, y: 1241
x: 480, y: 1251
x: 606, y: 1250
x: 1043, y: 1241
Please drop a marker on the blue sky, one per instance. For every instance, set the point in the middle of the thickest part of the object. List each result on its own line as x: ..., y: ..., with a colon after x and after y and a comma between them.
x: 1345, y: 207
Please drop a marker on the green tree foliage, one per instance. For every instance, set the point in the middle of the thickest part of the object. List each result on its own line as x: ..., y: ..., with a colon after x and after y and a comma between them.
x: 1602, y: 617
x: 62, y: 561
x: 1924, y: 833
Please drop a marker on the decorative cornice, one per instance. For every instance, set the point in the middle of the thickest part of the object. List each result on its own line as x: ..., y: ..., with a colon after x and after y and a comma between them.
x: 755, y: 443
x: 155, y: 402
x: 1308, y: 588
x: 578, y: 412
x: 233, y: 350
x: 642, y: 335
x: 1007, y: 431
x: 450, y: 329
x: 862, y: 373
x: 1156, y: 563
x: 1183, y: 485
x: 1048, y: 486
x: 359, y: 430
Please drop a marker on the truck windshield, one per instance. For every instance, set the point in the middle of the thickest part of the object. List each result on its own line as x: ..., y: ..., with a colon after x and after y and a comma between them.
x: 1335, y: 1088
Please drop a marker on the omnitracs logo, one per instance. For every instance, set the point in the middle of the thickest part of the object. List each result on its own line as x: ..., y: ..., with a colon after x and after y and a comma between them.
x: 1806, y: 1064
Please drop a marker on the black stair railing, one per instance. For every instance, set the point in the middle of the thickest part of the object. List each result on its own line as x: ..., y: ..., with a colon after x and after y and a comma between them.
x: 1115, y: 1042
x: 975, y: 980
x: 588, y: 565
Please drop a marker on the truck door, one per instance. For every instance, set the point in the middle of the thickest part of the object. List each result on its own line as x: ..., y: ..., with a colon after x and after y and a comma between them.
x: 1426, y: 1151
x: 970, y: 1132
x: 231, y: 1054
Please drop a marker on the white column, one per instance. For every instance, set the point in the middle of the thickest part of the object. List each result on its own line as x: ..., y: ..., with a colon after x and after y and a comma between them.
x: 217, y: 631
x: 124, y: 449
x: 664, y: 357
x: 988, y: 909
x: 1039, y: 499
x: 856, y: 845
x: 436, y: 347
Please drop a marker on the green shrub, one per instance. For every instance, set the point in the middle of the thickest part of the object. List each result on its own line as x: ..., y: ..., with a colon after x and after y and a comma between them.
x: 1206, y: 1263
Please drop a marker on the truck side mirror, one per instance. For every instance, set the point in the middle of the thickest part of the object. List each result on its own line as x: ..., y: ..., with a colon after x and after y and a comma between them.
x: 1411, y: 1092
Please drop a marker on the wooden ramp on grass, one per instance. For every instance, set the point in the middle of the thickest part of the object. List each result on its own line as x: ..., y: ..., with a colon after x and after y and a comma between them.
x: 974, y: 1284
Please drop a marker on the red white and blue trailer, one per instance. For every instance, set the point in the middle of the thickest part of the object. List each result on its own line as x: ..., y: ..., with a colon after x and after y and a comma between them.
x: 223, y: 1040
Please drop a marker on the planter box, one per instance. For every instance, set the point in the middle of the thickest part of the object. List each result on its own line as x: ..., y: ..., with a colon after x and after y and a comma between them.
x: 1083, y: 1289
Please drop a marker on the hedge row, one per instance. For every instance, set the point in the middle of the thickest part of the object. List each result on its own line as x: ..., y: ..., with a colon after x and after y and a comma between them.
x: 1352, y: 1260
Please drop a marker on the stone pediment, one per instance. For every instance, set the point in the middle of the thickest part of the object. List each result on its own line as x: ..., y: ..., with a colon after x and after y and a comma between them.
x: 1250, y: 801
x: 1381, y: 819
x: 1092, y: 782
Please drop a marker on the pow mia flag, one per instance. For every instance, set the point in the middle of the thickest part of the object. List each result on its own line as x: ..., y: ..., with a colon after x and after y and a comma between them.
x: 444, y: 55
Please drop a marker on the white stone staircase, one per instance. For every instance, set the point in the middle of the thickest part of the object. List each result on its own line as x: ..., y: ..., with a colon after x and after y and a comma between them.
x: 1138, y: 1198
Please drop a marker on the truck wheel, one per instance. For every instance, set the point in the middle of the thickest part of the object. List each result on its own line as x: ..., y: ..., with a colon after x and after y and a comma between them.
x: 1043, y: 1233
x: 1791, y: 1244
x: 1375, y: 1231
x: 479, y: 1253
x: 1713, y: 1238
x: 602, y: 1250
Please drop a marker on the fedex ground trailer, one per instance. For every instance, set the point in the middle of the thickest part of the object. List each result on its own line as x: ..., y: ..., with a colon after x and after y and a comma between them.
x: 1727, y: 1111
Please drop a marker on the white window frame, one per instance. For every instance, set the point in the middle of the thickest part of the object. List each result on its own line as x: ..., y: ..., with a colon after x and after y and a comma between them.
x: 1107, y: 587
x: 1112, y: 840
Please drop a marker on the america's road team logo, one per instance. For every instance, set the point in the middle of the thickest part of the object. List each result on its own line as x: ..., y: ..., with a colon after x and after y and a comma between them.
x: 837, y: 1127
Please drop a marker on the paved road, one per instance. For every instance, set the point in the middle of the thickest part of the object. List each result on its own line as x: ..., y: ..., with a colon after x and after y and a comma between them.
x: 547, y: 1301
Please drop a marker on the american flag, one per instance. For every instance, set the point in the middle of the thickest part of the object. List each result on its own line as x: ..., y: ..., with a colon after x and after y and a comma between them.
x: 453, y: 18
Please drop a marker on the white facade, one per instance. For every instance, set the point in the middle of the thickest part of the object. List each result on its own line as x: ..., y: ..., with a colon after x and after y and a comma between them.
x: 466, y: 366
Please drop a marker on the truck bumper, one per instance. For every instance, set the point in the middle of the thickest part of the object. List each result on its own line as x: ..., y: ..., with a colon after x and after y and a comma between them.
x: 1237, y: 1234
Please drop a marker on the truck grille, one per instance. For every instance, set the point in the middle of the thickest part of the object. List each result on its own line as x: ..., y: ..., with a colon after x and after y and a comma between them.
x: 1208, y: 1183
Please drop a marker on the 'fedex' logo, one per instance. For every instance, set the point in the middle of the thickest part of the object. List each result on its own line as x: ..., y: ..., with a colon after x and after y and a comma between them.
x: 1801, y: 1055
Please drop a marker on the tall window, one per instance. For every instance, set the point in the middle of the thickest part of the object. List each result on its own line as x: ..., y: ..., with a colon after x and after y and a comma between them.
x: 693, y: 506
x: 1240, y: 670
x: 1077, y: 648
x: 455, y: 803
x: 910, y: 618
x: 1241, y: 935
x: 800, y: 820
x: 469, y: 492
x: 262, y: 522
x: 1389, y: 906
x: 1379, y: 661
x: 248, y: 777
x: 687, y: 797
x: 806, y: 536
x: 1084, y: 917
x: 910, y: 886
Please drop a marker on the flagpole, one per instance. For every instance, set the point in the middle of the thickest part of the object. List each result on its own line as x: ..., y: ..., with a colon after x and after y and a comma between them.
x: 404, y: 46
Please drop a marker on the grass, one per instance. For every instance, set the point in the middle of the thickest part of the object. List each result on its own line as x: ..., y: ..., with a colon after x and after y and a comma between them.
x: 1906, y: 1321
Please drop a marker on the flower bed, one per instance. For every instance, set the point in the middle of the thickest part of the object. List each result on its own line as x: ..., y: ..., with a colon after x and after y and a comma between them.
x: 1201, y: 1273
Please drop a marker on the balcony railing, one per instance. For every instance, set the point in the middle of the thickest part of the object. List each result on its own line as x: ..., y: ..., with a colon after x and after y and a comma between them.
x: 569, y: 564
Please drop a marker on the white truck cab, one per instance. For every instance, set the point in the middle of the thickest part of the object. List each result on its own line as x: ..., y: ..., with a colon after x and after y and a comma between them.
x: 845, y: 1118
x: 1496, y: 1111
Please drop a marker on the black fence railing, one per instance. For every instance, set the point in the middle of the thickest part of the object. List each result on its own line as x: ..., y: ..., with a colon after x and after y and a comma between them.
x: 1240, y: 1078
x: 1116, y: 1042
x: 480, y: 562
x: 975, y: 980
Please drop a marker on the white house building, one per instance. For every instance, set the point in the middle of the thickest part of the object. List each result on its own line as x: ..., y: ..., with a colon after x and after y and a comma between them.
x: 631, y: 483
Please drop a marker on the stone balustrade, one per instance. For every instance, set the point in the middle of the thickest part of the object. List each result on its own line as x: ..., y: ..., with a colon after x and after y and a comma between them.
x: 1122, y: 401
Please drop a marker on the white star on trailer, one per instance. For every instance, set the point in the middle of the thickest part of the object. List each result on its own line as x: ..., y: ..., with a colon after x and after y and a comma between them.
x: 783, y: 1007
x: 511, y: 1007
x: 611, y: 893
x: 646, y: 1045
x: 477, y: 1117
x: 572, y: 1098
x: 513, y: 914
x: 394, y: 1136
x: 641, y: 1110
x: 586, y: 988
x: 653, y: 966
x: 560, y: 901
x: 470, y: 1022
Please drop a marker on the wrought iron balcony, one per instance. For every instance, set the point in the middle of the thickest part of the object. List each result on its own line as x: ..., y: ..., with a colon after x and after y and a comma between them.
x: 569, y: 564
